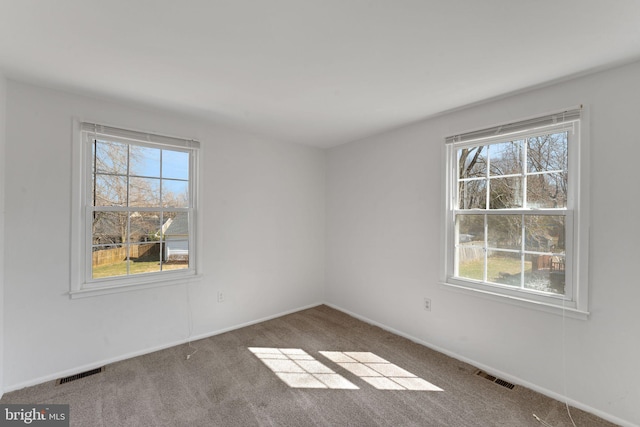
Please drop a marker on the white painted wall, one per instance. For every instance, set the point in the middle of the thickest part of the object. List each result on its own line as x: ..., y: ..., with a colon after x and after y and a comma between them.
x: 263, y: 239
x: 264, y: 244
x: 383, y: 243
x: 3, y: 98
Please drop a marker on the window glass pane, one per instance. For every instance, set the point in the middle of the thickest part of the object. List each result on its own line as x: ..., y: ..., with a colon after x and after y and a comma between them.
x: 175, y: 194
x: 145, y: 227
x: 109, y: 228
x: 547, y: 273
x: 175, y: 164
x: 548, y: 190
x: 471, y: 230
x: 470, y: 246
x: 144, y: 192
x: 472, y: 162
x: 109, y: 190
x: 505, y: 158
x: 506, y: 193
x: 504, y: 268
x: 144, y: 251
x: 176, y: 240
x: 545, y: 233
x: 145, y: 161
x: 504, y: 231
x: 473, y: 194
x: 471, y: 262
x: 109, y: 254
x: 110, y: 157
x: 144, y: 257
x: 547, y: 153
x: 108, y: 261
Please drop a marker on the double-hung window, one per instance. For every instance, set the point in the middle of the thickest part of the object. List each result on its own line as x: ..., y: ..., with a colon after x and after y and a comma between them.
x: 513, y: 211
x: 136, y: 209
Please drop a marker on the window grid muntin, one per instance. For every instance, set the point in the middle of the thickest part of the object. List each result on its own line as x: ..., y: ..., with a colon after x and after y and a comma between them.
x: 566, y: 211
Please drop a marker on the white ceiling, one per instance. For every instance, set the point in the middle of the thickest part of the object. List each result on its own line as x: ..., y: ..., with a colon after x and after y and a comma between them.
x: 317, y: 72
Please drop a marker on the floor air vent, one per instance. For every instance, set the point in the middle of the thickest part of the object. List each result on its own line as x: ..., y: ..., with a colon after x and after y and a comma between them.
x: 493, y: 379
x: 78, y: 376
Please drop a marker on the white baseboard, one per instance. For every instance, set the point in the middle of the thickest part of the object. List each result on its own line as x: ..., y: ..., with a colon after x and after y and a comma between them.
x: 88, y: 367
x: 492, y: 370
x: 108, y: 361
x: 489, y: 369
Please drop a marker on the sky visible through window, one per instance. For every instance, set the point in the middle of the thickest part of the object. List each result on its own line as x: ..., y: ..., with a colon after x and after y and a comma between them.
x: 175, y: 164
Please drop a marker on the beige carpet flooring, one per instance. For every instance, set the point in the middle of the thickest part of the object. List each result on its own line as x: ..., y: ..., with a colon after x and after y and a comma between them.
x: 316, y: 367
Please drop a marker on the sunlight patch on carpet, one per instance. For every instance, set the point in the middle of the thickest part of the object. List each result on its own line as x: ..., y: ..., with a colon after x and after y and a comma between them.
x: 298, y: 369
x: 378, y: 372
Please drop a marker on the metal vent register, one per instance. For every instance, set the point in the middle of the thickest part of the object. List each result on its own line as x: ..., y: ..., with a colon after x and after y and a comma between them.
x: 493, y: 379
x: 80, y: 375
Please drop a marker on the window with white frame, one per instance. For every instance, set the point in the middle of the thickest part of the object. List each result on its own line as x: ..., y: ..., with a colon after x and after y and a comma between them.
x: 137, y: 203
x: 513, y: 225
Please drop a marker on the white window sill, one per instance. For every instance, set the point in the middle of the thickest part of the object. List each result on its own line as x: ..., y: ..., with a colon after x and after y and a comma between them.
x: 521, y: 302
x: 146, y: 283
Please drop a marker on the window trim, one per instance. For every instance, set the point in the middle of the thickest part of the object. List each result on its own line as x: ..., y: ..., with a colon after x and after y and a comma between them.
x: 80, y: 268
x: 577, y: 218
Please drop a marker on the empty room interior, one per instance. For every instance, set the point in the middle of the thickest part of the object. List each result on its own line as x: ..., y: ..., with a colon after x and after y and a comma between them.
x: 313, y: 212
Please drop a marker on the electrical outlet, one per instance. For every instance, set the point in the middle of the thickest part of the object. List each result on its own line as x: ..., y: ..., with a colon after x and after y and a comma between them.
x: 220, y: 296
x: 427, y: 304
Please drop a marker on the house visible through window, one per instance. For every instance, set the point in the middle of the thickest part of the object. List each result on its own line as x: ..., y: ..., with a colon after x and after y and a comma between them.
x: 139, y: 193
x: 513, y: 213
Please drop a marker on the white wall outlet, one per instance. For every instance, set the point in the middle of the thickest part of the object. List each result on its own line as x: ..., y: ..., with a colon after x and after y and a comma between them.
x: 427, y: 304
x: 220, y: 296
